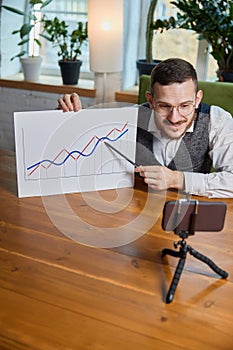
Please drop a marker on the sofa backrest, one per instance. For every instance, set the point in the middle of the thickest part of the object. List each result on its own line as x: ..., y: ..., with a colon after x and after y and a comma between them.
x: 214, y: 93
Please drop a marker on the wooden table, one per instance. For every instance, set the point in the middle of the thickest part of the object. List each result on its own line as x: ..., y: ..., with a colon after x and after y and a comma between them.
x: 56, y: 293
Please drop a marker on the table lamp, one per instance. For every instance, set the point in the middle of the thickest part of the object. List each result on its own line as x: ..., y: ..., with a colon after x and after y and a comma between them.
x: 105, y: 33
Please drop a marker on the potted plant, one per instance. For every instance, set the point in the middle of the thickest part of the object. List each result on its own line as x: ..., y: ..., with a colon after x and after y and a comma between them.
x: 212, y: 21
x: 69, y: 44
x: 146, y: 65
x: 30, y: 64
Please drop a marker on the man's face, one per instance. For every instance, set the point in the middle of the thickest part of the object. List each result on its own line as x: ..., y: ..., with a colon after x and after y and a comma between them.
x: 174, y: 107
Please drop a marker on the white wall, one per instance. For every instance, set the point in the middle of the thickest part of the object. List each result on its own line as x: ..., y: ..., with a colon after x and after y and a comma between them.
x: 16, y: 100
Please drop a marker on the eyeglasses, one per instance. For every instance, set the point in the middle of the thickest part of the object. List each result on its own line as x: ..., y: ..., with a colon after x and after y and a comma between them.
x: 165, y: 109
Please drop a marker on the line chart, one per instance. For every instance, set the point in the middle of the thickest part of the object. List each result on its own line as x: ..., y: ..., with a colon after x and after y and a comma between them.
x: 59, y: 153
x: 75, y: 155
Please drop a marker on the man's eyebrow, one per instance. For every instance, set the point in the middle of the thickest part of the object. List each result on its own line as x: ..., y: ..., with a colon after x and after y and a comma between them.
x: 158, y: 101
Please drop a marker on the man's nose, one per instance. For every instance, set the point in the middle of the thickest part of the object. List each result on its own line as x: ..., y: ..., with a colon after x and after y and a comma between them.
x: 174, y: 115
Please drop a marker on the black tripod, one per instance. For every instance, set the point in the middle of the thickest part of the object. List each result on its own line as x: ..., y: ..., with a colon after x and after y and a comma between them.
x: 182, y: 253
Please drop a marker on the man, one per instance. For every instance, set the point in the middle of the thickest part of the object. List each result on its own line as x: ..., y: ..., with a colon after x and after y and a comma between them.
x: 183, y: 139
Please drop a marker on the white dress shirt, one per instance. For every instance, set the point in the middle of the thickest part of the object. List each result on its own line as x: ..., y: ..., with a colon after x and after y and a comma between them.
x: 215, y: 184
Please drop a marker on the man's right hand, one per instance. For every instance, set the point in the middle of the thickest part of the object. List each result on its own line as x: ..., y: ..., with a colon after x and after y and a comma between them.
x: 69, y: 102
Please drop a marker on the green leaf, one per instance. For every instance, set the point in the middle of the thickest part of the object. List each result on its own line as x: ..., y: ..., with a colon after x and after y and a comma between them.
x: 22, y: 53
x: 46, y: 3
x: 12, y: 9
x: 43, y: 3
x: 35, y: 2
x: 38, y: 42
x: 16, y: 31
x: 46, y: 37
x: 25, y: 29
x: 22, y: 42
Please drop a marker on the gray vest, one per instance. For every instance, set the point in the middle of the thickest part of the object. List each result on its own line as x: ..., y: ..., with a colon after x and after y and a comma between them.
x: 192, y: 154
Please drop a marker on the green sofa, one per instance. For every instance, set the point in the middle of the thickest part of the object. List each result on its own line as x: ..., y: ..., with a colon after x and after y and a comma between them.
x: 214, y: 93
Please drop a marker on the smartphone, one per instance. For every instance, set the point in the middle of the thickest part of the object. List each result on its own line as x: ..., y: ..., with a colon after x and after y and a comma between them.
x: 191, y: 216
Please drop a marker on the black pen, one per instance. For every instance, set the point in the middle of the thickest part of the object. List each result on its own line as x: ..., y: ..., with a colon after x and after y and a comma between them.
x: 121, y: 154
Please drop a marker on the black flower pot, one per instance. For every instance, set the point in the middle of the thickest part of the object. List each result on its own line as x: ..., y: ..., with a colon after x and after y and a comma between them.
x: 227, y: 76
x: 146, y: 67
x: 70, y: 71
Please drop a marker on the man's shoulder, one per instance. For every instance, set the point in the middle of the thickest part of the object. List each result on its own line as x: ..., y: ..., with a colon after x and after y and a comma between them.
x: 219, y: 115
x: 203, y: 108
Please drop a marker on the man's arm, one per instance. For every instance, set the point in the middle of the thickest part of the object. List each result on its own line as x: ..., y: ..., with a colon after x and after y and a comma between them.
x: 217, y: 184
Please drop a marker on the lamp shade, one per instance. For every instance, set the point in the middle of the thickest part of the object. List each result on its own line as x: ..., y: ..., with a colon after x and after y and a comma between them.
x: 105, y: 33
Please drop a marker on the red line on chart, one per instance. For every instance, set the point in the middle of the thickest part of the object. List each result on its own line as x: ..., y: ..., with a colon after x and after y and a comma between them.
x: 37, y: 165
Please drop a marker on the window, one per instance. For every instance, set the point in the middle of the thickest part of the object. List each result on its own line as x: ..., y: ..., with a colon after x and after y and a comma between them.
x: 70, y: 11
x: 173, y: 43
x: 180, y: 43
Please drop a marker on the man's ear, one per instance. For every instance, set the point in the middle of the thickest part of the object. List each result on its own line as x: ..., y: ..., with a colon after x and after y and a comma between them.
x: 149, y: 99
x: 199, y: 97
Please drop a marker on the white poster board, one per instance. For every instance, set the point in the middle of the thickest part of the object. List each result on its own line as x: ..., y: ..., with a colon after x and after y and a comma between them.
x: 59, y: 152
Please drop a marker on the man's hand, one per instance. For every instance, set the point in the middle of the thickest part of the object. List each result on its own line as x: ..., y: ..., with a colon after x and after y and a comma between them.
x: 69, y: 102
x: 161, y: 178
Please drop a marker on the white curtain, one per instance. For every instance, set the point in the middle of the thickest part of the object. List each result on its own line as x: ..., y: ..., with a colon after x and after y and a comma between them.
x: 135, y: 15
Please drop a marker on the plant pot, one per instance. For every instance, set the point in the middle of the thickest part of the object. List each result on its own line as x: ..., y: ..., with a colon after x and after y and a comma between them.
x: 227, y: 76
x: 31, y: 67
x: 146, y: 67
x: 70, y: 71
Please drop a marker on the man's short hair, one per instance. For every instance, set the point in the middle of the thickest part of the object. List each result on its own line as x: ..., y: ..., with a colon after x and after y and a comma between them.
x: 173, y: 70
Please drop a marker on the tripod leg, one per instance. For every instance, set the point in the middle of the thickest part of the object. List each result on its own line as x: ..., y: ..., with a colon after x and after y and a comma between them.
x: 175, y: 280
x: 208, y: 261
x: 171, y: 252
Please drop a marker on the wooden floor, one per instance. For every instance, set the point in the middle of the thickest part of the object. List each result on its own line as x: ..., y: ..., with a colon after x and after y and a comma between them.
x: 58, y: 294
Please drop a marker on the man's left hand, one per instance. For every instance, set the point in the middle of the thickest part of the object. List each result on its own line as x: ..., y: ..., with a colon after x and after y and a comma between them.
x: 160, y: 177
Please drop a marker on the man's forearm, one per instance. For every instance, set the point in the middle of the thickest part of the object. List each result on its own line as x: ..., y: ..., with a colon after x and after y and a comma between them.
x: 213, y: 185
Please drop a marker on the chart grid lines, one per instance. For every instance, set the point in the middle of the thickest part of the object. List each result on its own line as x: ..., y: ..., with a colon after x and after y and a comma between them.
x: 76, y: 154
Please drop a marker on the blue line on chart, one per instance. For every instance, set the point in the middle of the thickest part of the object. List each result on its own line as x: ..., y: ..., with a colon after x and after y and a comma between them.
x: 77, y: 152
